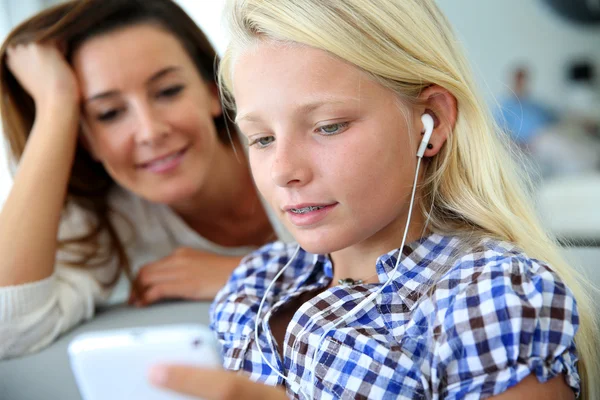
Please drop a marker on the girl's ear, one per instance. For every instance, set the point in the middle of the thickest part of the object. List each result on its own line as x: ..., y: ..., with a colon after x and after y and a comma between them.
x: 442, y: 106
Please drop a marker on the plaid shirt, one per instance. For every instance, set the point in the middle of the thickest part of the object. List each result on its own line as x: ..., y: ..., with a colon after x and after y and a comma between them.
x: 459, y: 321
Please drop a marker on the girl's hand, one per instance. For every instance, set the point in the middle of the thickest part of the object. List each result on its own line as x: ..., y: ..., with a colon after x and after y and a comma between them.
x: 212, y: 384
x: 44, y: 73
x: 186, y: 274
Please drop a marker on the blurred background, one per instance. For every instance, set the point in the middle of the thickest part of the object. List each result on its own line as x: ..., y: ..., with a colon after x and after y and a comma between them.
x: 537, y: 63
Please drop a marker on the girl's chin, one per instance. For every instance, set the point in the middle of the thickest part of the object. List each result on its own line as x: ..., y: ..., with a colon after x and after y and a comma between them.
x: 316, y: 245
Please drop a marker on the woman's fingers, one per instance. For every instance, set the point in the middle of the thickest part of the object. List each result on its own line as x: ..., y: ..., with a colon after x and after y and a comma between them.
x: 43, y: 72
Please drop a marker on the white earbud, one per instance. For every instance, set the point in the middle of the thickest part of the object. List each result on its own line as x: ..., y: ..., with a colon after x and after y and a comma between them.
x: 427, y: 120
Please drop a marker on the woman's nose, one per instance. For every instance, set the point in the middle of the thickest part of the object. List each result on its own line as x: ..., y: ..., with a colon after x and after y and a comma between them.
x: 149, y: 126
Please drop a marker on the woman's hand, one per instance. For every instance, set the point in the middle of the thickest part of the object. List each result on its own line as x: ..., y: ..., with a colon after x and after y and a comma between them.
x: 212, y: 384
x: 186, y: 274
x: 44, y: 73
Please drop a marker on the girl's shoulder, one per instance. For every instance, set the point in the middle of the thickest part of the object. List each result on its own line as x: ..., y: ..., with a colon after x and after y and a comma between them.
x: 453, y: 268
x: 501, y: 315
x: 494, y: 277
x: 491, y: 264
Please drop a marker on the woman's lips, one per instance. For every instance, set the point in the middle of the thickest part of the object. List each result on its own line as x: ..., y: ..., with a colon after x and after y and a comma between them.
x: 165, y: 164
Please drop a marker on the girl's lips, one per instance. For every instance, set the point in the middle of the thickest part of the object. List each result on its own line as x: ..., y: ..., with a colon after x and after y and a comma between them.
x: 165, y: 164
x: 307, y: 215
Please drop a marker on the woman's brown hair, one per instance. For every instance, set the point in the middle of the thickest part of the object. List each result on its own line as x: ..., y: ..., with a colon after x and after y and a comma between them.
x: 70, y: 24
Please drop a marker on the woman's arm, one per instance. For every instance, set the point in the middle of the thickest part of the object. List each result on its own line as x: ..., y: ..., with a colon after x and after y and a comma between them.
x: 38, y: 300
x: 30, y: 217
x: 34, y: 315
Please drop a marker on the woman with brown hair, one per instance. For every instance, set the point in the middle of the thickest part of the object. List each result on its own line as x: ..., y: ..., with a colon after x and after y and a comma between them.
x: 111, y: 109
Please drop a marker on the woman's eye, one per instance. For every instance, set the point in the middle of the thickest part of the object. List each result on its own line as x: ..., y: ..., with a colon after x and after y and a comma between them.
x: 332, y: 129
x: 263, y: 142
x: 108, y: 116
x: 171, y: 92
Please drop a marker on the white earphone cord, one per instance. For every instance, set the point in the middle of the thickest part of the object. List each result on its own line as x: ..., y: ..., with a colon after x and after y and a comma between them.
x: 293, y: 385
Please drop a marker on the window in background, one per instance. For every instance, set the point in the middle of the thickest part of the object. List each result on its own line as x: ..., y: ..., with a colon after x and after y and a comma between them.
x: 208, y: 15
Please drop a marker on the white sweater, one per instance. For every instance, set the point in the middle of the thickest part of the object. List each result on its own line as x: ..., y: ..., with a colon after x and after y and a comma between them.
x: 33, y: 315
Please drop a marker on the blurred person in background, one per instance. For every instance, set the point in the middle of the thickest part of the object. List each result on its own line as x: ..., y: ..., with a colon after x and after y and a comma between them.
x: 572, y: 145
x: 521, y: 115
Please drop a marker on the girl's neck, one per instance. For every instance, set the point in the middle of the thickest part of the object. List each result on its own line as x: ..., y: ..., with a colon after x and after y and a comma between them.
x: 358, y: 262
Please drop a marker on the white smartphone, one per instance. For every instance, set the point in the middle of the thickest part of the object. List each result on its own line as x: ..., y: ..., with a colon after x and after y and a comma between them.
x: 114, y: 364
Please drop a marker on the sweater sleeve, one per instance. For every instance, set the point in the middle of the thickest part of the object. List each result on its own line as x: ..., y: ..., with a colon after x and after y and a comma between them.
x: 35, y: 314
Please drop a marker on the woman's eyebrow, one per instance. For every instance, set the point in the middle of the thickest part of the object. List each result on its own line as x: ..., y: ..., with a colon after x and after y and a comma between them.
x: 156, y: 76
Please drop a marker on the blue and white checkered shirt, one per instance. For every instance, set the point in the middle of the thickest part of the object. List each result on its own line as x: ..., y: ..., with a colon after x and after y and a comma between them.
x: 459, y: 321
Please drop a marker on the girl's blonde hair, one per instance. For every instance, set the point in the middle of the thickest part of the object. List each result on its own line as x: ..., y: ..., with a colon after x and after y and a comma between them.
x: 473, y: 186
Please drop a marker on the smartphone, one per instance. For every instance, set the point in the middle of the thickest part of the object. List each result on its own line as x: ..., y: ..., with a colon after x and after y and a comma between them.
x: 114, y: 364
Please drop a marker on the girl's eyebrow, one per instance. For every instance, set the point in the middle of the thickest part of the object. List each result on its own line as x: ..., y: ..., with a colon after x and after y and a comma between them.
x: 303, y: 109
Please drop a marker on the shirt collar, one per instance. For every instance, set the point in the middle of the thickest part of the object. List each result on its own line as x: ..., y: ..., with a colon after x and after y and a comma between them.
x: 418, y: 265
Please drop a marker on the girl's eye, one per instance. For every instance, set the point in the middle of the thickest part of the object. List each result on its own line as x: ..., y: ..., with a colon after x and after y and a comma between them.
x: 263, y: 142
x: 108, y: 116
x: 171, y: 92
x: 332, y: 129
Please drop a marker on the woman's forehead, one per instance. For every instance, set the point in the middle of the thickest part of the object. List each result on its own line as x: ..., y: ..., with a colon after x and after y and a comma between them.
x: 127, y: 56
